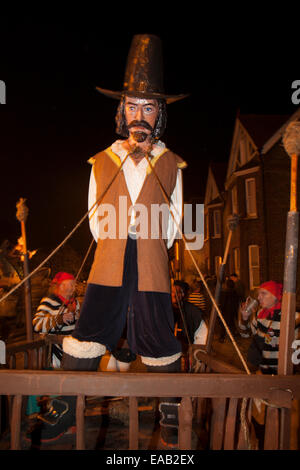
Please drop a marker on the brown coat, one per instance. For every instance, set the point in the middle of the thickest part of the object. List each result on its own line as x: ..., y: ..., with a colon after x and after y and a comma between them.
x: 152, y: 256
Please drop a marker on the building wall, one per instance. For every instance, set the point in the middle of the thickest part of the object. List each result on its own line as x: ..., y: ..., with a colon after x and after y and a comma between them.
x: 277, y: 194
x: 250, y: 230
x: 276, y: 165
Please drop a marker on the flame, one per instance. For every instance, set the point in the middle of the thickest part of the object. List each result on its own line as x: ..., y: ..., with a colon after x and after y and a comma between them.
x: 19, y: 249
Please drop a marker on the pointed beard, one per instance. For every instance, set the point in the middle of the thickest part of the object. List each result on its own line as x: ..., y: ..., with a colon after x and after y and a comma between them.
x: 139, y: 136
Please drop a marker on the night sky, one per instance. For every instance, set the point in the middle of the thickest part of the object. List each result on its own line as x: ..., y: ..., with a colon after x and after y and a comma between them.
x: 55, y: 120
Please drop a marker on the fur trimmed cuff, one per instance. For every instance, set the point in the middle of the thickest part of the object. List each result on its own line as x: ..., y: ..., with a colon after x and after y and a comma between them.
x: 160, y: 361
x: 82, y: 349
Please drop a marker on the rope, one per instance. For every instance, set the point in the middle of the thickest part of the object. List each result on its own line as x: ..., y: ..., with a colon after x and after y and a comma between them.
x: 84, y: 260
x: 98, y: 202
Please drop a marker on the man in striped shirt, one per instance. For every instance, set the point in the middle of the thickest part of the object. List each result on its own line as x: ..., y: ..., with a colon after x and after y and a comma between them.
x: 58, y: 312
x: 265, y: 327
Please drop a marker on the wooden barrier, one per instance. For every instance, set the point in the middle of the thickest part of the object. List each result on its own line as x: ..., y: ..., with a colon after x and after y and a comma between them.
x: 225, y: 390
x: 216, y: 386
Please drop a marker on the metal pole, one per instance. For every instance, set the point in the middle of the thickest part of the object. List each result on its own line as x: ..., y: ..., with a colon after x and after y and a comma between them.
x: 22, y: 213
x: 291, y: 142
x: 288, y: 308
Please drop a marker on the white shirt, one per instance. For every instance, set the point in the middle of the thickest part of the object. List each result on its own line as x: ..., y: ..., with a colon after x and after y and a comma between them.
x: 135, y: 176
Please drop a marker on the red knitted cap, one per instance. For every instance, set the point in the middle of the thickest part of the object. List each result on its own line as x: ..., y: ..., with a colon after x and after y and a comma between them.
x: 274, y: 287
x: 61, y: 276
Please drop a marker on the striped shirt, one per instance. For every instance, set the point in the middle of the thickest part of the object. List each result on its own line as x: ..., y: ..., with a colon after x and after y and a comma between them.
x: 49, y: 316
x: 269, y: 329
x: 197, y: 299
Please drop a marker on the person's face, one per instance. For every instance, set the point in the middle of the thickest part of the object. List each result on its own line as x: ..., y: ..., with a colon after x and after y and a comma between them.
x: 266, y: 299
x: 141, y: 115
x: 67, y: 288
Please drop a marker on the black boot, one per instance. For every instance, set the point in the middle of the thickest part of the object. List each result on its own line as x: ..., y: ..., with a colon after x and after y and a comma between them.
x: 57, y: 416
x: 59, y: 413
x: 168, y: 408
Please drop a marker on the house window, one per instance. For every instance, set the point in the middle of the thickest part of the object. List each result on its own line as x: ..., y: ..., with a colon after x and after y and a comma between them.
x: 236, y: 261
x: 234, y: 200
x: 206, y: 227
x: 254, y: 267
x: 218, y: 262
x: 243, y: 150
x: 217, y: 224
x: 251, y: 197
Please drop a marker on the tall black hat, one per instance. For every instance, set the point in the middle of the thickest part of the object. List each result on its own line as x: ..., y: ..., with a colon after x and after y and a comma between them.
x: 144, y: 71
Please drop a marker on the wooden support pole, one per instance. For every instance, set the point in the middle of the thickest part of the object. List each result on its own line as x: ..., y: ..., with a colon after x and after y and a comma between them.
x: 185, y: 415
x: 288, y: 308
x: 271, y: 429
x: 218, y: 423
x: 16, y: 422
x: 230, y: 427
x: 80, y: 425
x: 133, y: 424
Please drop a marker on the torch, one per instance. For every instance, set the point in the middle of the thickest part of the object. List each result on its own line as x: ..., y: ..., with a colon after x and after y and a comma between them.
x: 291, y: 143
x: 22, y: 213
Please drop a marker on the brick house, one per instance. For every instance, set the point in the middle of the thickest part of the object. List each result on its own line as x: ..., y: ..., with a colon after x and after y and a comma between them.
x: 256, y: 186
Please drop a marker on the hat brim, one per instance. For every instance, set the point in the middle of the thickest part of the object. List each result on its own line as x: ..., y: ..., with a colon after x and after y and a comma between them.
x: 138, y: 94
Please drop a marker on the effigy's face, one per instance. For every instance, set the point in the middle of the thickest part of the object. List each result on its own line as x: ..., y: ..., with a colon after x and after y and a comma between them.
x: 141, y: 115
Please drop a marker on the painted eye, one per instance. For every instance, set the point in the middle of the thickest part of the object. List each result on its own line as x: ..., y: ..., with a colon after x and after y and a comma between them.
x: 131, y: 109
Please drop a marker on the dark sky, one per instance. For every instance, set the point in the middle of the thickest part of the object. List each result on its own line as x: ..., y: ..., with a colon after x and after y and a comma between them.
x: 55, y: 120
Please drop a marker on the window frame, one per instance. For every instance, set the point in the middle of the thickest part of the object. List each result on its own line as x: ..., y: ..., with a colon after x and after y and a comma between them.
x: 248, y: 197
x: 253, y: 266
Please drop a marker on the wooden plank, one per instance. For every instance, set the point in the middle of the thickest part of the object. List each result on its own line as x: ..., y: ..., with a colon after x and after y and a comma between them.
x: 285, y: 429
x: 58, y: 382
x: 217, y: 423
x: 201, y: 410
x: 12, y: 361
x: 295, y: 426
x: 287, y: 334
x: 24, y: 346
x: 25, y: 357
x: 185, y: 415
x: 80, y: 424
x: 133, y: 424
x: 230, y: 426
x: 271, y: 441
x: 40, y: 358
x: 16, y: 422
x: 215, y: 364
